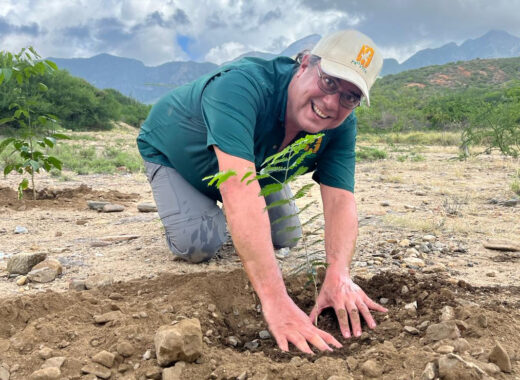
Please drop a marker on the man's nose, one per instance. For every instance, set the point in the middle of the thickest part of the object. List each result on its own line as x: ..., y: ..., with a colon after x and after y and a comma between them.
x: 332, y: 100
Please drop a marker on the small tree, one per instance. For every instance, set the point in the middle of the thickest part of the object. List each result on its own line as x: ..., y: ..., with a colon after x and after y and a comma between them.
x: 36, y: 134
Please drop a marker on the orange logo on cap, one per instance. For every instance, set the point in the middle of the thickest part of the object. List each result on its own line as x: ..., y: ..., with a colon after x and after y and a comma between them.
x: 365, y: 56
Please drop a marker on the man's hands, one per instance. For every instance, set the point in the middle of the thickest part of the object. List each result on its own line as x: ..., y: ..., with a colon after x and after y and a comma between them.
x: 288, y: 323
x: 348, y: 300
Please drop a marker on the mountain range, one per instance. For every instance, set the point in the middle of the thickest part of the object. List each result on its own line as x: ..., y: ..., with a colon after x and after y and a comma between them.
x: 147, y: 84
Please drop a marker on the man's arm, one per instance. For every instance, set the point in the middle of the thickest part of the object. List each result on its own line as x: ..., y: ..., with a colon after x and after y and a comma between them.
x: 251, y: 232
x: 338, y: 290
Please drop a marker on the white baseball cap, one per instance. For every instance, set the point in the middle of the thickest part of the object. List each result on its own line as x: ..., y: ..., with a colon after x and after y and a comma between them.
x: 351, y: 56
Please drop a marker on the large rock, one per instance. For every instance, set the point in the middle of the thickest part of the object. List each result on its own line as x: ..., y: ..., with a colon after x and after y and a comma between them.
x: 98, y: 280
x: 50, y: 263
x: 182, y: 341
x: 22, y: 263
x: 105, y: 358
x: 500, y: 357
x: 42, y: 275
x: 371, y: 368
x: 453, y: 367
x: 443, y: 330
x: 51, y: 373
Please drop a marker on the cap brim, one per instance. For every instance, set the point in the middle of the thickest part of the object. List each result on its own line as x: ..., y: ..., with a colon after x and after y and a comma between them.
x: 340, y: 71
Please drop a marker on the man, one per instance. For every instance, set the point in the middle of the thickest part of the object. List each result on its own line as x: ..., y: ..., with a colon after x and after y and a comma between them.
x: 234, y: 118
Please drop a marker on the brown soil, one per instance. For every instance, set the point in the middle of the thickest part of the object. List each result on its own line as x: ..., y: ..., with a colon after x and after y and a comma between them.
x: 446, y: 198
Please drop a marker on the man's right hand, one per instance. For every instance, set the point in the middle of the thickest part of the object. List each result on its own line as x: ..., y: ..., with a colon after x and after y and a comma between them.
x: 288, y: 323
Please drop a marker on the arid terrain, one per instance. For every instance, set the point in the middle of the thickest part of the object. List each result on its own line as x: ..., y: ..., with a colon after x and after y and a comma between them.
x: 421, y: 251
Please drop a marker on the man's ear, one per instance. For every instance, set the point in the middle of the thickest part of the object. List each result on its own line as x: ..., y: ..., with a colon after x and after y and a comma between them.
x: 304, y: 65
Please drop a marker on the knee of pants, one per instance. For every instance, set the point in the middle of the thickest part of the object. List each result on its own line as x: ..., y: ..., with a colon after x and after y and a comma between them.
x: 287, y: 236
x: 198, y: 239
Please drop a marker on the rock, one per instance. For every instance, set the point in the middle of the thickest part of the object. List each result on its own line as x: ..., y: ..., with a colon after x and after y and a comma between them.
x: 423, y: 325
x: 443, y: 330
x: 97, y: 369
x: 404, y: 243
x: 405, y: 290
x: 42, y: 275
x: 502, y: 245
x: 125, y: 349
x: 336, y: 377
x: 212, y: 308
x: 105, y: 358
x: 99, y: 280
x: 414, y: 261
x: 22, y: 263
x: 383, y: 301
x: 108, y: 317
x: 482, y: 320
x: 21, y: 280
x: 182, y: 341
x: 252, y: 345
x: 4, y: 373
x: 461, y: 345
x: 411, y: 330
x: 232, y: 341
x: 21, y: 230
x: 77, y: 285
x: 491, y: 274
x: 45, y: 353
x: 51, y: 373
x: 429, y: 372
x: 112, y: 208
x: 96, y: 205
x: 174, y: 373
x: 147, y: 355
x: 146, y: 207
x: 500, y: 357
x: 445, y: 349
x: 429, y: 238
x: 412, y: 252
x: 119, y: 238
x: 50, y: 263
x: 352, y: 363
x: 154, y: 373
x: 385, y: 203
x: 453, y: 367
x: 264, y: 334
x: 371, y: 368
x: 56, y: 362
x: 490, y: 368
x: 447, y: 314
x: 243, y: 376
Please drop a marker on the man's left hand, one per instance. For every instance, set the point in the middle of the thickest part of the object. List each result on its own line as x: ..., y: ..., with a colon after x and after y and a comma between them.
x: 348, y: 300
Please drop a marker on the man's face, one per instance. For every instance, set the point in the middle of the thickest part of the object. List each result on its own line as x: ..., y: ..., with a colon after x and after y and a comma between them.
x: 309, y: 108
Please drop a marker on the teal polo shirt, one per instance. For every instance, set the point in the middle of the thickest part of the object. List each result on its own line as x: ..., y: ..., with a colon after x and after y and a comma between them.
x: 241, y: 109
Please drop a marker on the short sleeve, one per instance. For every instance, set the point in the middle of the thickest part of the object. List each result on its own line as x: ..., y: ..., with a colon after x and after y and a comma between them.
x: 337, y: 164
x: 231, y: 103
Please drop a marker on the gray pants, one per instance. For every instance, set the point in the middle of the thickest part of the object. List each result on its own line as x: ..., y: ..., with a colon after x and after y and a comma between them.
x: 195, y: 226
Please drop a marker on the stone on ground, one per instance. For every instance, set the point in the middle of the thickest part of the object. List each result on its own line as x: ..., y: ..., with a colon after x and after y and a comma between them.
x: 112, y: 208
x: 98, y: 280
x: 96, y: 205
x: 146, y: 207
x: 447, y: 314
x: 371, y: 368
x: 182, y: 341
x: 125, y: 349
x: 4, y: 373
x: 50, y: 263
x: 42, y: 275
x: 108, y: 317
x: 500, y: 357
x: 174, y: 373
x: 55, y: 362
x: 502, y: 245
x: 97, y: 369
x: 443, y: 330
x: 453, y: 367
x: 22, y: 263
x: 51, y: 373
x: 429, y: 372
x: 105, y: 358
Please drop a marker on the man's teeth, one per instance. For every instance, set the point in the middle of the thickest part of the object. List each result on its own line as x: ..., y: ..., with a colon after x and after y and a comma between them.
x: 318, y: 111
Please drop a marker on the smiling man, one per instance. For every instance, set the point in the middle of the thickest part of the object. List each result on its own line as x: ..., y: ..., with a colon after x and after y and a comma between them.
x: 233, y: 119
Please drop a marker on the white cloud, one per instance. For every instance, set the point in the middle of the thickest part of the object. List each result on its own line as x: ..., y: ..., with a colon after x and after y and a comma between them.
x: 225, y: 52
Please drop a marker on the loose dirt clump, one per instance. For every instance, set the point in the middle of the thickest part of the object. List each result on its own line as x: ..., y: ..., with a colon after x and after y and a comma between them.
x: 225, y: 304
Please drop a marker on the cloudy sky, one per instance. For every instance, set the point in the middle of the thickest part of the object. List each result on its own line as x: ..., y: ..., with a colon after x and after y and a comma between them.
x: 157, y: 31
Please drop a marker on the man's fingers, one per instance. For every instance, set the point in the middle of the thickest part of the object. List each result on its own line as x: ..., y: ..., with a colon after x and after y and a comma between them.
x: 317, y: 341
x: 329, y: 339
x: 342, y: 315
x: 313, y: 316
x: 363, y: 309
x: 300, y: 342
x: 281, y: 341
x: 375, y: 306
x: 354, y: 319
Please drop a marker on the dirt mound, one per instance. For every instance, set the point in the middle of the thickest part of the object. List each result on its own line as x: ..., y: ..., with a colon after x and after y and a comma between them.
x: 227, y: 307
x: 67, y: 198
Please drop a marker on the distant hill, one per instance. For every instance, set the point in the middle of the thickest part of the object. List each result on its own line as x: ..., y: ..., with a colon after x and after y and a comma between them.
x: 146, y: 84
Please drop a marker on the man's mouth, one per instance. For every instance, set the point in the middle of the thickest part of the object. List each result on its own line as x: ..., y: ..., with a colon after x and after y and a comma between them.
x: 319, y: 112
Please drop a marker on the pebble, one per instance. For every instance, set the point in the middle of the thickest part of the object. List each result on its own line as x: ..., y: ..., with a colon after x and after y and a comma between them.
x: 105, y: 358
x: 412, y: 252
x: 383, y: 301
x: 490, y: 368
x: 429, y: 372
x: 52, y: 373
x: 96, y: 205
x: 21, y: 230
x: 175, y: 372
x: 264, y: 334
x: 125, y: 349
x: 21, y: 280
x: 182, y: 341
x: 99, y: 280
x: 447, y: 314
x: 405, y: 290
x: 147, y: 355
x: 414, y: 261
x: 112, y: 208
x: 108, y: 317
x: 385, y: 203
x: 452, y: 366
x: 212, y: 308
x: 352, y: 363
x: 500, y: 357
x: 371, y: 368
x: 78, y: 285
x: 445, y: 349
x: 232, y: 341
x: 482, y: 320
x: 429, y: 238
x: 423, y: 325
x: 146, y: 207
x: 404, y: 243
x: 45, y: 353
x: 461, y: 345
x: 252, y: 345
x: 56, y: 362
x: 491, y: 274
x: 411, y: 330
x: 4, y: 373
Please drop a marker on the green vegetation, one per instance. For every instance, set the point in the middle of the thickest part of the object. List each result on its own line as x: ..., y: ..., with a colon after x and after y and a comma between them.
x: 515, y: 185
x: 76, y: 103
x: 479, y: 99
x: 365, y: 153
x: 37, y: 130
